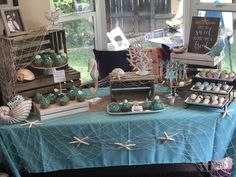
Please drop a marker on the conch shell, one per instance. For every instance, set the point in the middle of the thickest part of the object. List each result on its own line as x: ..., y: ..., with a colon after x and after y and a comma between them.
x: 17, y: 114
x: 117, y: 73
x: 24, y: 74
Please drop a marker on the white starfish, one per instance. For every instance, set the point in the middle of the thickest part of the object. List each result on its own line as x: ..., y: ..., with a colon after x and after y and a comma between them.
x: 79, y: 141
x: 166, y: 137
x: 126, y: 145
x: 226, y: 112
x: 31, y: 123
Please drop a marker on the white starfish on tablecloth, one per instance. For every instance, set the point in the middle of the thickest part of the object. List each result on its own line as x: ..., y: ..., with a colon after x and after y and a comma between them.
x: 79, y: 141
x: 226, y: 112
x: 126, y: 145
x: 31, y: 123
x: 166, y: 137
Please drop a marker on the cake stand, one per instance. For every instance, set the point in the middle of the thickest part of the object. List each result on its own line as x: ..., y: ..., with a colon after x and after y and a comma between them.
x: 48, y: 70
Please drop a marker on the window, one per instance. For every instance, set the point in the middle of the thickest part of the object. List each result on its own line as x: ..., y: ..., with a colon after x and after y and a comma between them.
x: 78, y: 17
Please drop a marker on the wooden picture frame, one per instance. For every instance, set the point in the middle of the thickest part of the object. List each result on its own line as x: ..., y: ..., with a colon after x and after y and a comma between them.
x: 13, y: 21
x: 8, y: 3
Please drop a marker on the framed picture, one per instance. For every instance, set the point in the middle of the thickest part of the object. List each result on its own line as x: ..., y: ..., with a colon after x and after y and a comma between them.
x: 8, y: 3
x: 13, y: 22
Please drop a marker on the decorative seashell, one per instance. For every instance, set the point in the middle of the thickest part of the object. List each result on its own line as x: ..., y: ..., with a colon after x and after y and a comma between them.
x: 225, y: 87
x: 18, y: 114
x: 205, y: 83
x: 201, y: 87
x: 200, y: 96
x: 117, y: 73
x: 197, y: 84
x: 209, y: 74
x: 209, y: 87
x: 181, y: 83
x: 202, y: 73
x: 231, y: 75
x: 216, y: 75
x: 214, y: 97
x: 198, y: 100
x: 215, y: 102
x: 216, y: 89
x: 212, y: 84
x: 226, y: 76
x: 207, y: 97
x: 193, y: 96
x: 221, y: 99
x: 24, y: 74
x: 219, y: 85
x: 206, y: 101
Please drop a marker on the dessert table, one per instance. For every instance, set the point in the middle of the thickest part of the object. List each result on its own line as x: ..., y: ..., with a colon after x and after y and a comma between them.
x: 97, y: 139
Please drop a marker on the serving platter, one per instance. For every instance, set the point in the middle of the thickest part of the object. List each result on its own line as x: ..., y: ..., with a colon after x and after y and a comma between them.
x: 188, y: 101
x: 135, y: 112
x: 215, y: 79
x: 221, y: 92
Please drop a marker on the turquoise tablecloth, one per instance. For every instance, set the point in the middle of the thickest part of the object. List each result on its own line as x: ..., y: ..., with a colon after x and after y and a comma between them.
x: 200, y: 135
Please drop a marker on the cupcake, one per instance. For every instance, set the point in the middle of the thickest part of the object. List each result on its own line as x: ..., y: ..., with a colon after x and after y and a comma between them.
x: 126, y: 106
x: 114, y: 107
x: 44, y: 103
x: 72, y: 93
x: 63, y: 99
x: 38, y: 61
x: 147, y: 104
x: 58, y: 61
x: 38, y: 97
x: 47, y: 62
x: 80, y: 96
x: 52, y: 98
x: 157, y: 104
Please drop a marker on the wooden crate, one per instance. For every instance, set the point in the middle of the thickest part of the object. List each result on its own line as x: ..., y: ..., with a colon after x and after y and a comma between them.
x: 45, y: 84
x: 54, y: 110
x: 196, y: 59
x: 142, y: 86
x: 19, y: 51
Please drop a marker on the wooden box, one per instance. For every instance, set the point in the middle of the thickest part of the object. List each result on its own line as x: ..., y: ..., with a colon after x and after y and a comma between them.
x: 19, y: 51
x: 196, y: 59
x: 54, y: 110
x: 132, y: 87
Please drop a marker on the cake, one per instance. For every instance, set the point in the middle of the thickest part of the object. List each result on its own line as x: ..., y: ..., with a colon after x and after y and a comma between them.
x: 147, y: 104
x: 157, y: 104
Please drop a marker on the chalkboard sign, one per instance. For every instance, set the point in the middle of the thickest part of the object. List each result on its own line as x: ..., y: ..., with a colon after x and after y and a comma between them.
x: 204, y: 32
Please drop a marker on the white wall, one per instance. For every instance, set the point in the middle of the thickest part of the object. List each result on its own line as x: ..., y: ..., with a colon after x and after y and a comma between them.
x: 33, y: 13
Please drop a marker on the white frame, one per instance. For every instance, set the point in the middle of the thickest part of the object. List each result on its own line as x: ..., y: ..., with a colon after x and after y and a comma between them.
x: 8, y: 4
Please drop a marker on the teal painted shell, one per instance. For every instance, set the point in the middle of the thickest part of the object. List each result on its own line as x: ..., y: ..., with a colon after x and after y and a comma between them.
x: 114, y: 107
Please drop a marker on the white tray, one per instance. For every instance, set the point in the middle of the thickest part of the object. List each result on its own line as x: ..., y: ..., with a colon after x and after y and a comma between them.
x: 208, y: 105
x: 130, y: 112
x: 222, y: 92
x: 213, y: 79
